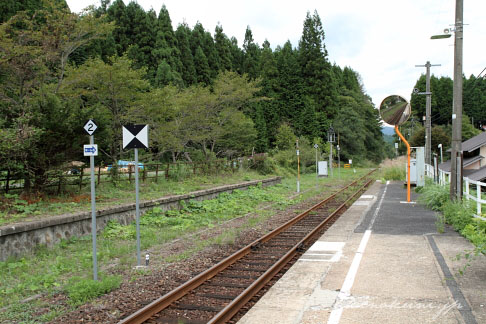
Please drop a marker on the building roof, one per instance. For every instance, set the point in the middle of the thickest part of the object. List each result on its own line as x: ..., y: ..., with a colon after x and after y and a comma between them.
x: 477, y: 175
x: 446, y: 166
x: 473, y: 143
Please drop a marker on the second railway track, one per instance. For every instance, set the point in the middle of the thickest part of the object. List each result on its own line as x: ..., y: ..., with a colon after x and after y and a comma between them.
x: 219, y: 293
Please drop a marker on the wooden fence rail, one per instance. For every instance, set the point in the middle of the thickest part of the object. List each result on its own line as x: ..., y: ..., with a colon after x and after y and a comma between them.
x: 59, y: 179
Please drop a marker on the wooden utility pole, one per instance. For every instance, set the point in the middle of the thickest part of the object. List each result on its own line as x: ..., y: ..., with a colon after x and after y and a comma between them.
x: 456, y: 147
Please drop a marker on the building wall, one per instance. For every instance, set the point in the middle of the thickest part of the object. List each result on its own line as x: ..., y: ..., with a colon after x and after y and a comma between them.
x: 482, y: 152
x: 475, y: 166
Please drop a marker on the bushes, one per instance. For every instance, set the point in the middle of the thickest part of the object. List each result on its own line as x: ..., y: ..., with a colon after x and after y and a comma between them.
x: 458, y: 214
x: 434, y: 197
x: 84, y: 290
x: 394, y: 173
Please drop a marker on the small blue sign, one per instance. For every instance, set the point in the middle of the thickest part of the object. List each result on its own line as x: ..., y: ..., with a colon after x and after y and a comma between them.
x: 91, y: 150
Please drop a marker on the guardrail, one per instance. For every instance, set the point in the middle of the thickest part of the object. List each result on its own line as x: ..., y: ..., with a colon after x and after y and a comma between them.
x: 475, y: 195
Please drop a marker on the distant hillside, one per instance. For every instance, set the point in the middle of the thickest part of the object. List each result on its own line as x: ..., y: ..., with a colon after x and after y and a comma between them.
x: 388, y: 130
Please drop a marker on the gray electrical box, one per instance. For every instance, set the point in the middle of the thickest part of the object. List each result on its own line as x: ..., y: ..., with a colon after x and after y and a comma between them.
x: 417, y: 167
x: 322, y: 170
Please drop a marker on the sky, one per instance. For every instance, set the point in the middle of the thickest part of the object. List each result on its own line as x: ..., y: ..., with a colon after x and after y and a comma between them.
x: 382, y: 40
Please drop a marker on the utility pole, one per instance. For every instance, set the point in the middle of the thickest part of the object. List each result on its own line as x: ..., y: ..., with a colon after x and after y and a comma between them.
x: 456, y: 147
x: 428, y: 131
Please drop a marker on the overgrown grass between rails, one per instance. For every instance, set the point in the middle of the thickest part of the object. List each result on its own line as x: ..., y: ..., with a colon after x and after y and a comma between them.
x: 67, y: 267
x: 459, y: 214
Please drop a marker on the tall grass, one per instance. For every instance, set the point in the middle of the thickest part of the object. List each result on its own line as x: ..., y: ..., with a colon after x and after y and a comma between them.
x: 434, y: 196
x: 393, y: 173
x: 459, y: 214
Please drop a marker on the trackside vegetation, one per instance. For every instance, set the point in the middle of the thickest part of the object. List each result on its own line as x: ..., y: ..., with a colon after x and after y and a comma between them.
x: 459, y: 214
x: 29, y: 283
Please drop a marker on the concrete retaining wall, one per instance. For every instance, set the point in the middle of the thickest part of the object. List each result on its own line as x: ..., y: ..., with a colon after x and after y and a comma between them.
x: 19, y: 239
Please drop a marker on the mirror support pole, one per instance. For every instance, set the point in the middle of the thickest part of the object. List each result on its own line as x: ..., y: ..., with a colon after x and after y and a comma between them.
x: 408, y: 161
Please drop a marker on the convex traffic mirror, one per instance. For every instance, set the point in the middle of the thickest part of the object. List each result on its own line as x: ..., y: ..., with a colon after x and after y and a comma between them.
x: 395, y: 110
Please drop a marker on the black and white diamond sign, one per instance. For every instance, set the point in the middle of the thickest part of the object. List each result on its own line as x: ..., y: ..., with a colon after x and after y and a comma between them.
x: 135, y: 136
x: 90, y: 127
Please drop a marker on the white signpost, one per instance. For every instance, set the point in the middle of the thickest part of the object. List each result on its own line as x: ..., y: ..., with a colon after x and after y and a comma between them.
x: 136, y: 136
x: 317, y: 171
x: 91, y: 150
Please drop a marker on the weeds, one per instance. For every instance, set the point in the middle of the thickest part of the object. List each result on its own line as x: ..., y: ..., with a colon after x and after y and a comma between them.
x: 67, y: 266
x: 393, y: 173
x: 458, y: 214
x: 14, y: 209
x: 434, y: 196
x: 81, y: 290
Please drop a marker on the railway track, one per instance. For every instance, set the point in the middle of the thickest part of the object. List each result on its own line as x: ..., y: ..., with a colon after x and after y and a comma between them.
x: 219, y: 293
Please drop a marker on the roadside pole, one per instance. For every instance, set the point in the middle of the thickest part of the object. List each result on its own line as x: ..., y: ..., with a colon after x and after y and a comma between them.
x: 137, y: 208
x: 135, y: 137
x: 428, y: 93
x: 91, y: 150
x: 93, y: 212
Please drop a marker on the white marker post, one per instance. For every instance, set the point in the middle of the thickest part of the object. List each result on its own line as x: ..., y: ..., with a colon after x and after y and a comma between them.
x: 136, y: 136
x: 91, y: 150
x: 317, y: 171
x: 298, y: 165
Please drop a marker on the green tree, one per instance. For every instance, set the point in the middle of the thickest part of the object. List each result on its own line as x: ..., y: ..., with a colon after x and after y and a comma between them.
x: 251, y: 58
x: 237, y: 56
x: 223, y: 48
x: 202, y: 67
x: 8, y: 8
x: 166, y: 52
x: 108, y: 91
x: 34, y: 51
x: 315, y: 67
x: 188, y: 69
x: 214, y: 114
x: 285, y: 137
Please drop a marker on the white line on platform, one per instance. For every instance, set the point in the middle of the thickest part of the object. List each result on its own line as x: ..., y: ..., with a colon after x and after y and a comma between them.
x: 362, y: 203
x: 367, y: 197
x: 336, y: 313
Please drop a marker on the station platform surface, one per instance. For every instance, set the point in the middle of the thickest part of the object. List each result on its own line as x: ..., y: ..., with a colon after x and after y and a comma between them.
x: 382, y: 261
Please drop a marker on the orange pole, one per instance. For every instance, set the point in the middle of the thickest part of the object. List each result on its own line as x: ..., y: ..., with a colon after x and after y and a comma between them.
x: 408, y: 161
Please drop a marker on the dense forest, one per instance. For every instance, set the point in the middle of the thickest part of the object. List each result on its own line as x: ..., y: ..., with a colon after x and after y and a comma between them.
x: 474, y: 114
x: 202, y: 94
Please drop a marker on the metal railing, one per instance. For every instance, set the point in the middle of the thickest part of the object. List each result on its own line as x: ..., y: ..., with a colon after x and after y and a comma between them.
x: 469, y: 193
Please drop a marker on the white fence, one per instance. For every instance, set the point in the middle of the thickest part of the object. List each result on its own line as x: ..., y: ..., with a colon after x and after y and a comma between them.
x: 444, y: 179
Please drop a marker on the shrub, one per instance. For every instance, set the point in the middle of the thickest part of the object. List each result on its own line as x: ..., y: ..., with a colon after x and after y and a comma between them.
x: 458, y: 214
x: 394, y: 173
x: 83, y: 290
x: 434, y: 197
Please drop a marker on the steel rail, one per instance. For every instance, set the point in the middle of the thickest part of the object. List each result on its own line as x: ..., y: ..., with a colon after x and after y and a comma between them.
x: 234, y: 306
x: 163, y: 302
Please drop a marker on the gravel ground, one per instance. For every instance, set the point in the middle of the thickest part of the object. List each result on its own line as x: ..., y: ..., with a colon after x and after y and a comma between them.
x: 139, y: 288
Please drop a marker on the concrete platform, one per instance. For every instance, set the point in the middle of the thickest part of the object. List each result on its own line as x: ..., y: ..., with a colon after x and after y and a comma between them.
x: 381, y: 262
